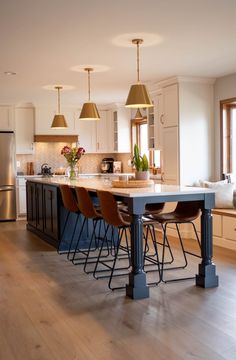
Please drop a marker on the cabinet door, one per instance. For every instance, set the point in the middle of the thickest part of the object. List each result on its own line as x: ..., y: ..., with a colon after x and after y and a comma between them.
x: 31, y: 203
x: 123, y: 130
x: 110, y: 131
x: 102, y: 145
x: 87, y: 134
x: 24, y: 125
x: 170, y: 157
x: 6, y: 118
x: 39, y: 206
x: 229, y: 228
x: 158, y: 120
x: 50, y: 211
x: 21, y: 200
x: 170, y: 106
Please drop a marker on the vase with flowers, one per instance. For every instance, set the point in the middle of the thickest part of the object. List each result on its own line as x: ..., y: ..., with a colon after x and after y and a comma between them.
x: 72, y: 155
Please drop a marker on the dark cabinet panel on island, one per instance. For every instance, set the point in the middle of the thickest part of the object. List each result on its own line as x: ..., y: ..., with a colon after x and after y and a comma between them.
x: 50, y: 211
x: 46, y: 216
x: 42, y: 211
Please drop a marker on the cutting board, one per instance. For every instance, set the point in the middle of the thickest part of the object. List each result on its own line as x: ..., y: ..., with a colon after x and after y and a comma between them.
x: 132, y: 183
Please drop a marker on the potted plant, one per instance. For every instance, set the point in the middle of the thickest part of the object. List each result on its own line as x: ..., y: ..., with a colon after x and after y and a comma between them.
x: 141, y: 164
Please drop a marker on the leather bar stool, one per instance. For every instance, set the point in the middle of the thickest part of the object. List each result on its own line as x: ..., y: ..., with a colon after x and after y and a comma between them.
x: 116, y: 218
x: 90, y: 212
x: 185, y: 212
x: 154, y: 209
x: 70, y: 204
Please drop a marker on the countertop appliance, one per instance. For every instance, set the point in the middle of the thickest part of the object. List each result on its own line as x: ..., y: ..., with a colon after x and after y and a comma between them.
x: 107, y: 165
x: 7, y: 176
x: 46, y: 170
x: 117, y: 167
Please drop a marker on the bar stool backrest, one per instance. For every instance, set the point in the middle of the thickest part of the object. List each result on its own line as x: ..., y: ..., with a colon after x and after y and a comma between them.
x: 188, y: 210
x: 155, y: 208
x: 68, y: 199
x: 85, y: 203
x: 109, y: 209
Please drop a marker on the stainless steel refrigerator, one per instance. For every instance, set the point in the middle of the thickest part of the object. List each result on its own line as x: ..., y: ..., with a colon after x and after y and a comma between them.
x: 7, y: 176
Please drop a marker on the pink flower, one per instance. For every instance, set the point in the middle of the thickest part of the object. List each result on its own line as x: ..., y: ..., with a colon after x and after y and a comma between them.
x: 72, y: 155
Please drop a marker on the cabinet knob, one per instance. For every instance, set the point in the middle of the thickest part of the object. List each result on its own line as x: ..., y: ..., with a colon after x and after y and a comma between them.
x: 162, y: 119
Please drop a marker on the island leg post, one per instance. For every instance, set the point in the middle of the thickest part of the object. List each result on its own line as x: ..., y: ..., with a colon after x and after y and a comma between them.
x: 206, y: 277
x: 137, y: 287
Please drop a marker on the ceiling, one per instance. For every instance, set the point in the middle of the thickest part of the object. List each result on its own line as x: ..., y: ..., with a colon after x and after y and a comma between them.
x: 41, y: 40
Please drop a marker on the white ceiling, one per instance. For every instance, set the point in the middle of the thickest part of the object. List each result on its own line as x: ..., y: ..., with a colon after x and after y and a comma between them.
x: 42, y: 39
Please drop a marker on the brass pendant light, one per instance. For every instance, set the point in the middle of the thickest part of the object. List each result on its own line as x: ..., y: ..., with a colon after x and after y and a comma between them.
x: 59, y: 121
x: 138, y: 95
x: 138, y: 115
x: 89, y: 110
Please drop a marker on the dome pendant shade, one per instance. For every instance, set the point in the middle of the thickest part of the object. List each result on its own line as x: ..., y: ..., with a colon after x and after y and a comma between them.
x: 59, y: 122
x: 138, y: 97
x: 89, y: 112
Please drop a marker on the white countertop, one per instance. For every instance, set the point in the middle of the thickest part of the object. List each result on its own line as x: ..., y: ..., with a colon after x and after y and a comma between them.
x: 81, y: 175
x: 102, y: 184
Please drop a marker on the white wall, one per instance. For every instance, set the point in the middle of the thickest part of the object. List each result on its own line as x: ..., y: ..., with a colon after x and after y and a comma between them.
x: 196, y: 131
x: 225, y: 88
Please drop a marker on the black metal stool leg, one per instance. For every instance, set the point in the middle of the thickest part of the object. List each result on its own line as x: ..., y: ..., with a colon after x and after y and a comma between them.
x: 73, y: 259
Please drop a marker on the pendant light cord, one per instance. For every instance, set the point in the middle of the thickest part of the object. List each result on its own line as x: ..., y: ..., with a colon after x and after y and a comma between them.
x: 138, y: 61
x: 89, y: 85
x: 58, y: 95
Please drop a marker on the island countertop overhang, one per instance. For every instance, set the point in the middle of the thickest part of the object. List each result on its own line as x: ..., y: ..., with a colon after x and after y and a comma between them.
x: 99, y: 184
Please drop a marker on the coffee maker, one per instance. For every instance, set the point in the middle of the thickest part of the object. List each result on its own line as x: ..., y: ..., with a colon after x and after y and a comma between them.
x: 107, y: 165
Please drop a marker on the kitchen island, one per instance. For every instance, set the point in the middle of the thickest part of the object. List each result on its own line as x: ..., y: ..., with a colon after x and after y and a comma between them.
x: 49, y: 213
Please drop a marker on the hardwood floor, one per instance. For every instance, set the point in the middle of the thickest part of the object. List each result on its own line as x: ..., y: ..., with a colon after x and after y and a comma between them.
x: 50, y: 309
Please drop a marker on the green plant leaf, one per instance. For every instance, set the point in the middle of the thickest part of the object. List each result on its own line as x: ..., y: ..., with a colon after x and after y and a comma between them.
x: 145, y: 163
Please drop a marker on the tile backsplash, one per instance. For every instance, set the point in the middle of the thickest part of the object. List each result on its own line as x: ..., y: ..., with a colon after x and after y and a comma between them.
x: 50, y: 153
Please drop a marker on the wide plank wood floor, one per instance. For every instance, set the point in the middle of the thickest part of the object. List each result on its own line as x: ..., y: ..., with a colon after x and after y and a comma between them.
x: 50, y: 309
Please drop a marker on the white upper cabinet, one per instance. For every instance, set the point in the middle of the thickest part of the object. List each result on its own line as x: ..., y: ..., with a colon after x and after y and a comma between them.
x: 122, y: 130
x: 24, y: 130
x: 6, y: 118
x: 104, y: 132
x: 87, y: 134
x: 170, y: 106
x: 44, y: 116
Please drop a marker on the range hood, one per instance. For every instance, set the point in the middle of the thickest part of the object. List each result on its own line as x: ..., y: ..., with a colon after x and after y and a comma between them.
x: 56, y: 138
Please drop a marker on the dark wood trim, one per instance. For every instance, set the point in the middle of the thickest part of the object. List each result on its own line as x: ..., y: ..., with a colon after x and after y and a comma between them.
x: 56, y: 138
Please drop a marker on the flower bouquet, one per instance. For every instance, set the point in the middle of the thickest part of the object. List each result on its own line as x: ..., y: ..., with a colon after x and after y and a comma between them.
x: 72, y: 156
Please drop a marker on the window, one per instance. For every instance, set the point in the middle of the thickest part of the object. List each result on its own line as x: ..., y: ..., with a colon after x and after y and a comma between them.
x: 228, y: 136
x: 139, y: 136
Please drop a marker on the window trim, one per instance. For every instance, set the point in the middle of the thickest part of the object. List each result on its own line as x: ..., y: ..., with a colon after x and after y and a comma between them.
x: 228, y: 104
x: 135, y: 122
